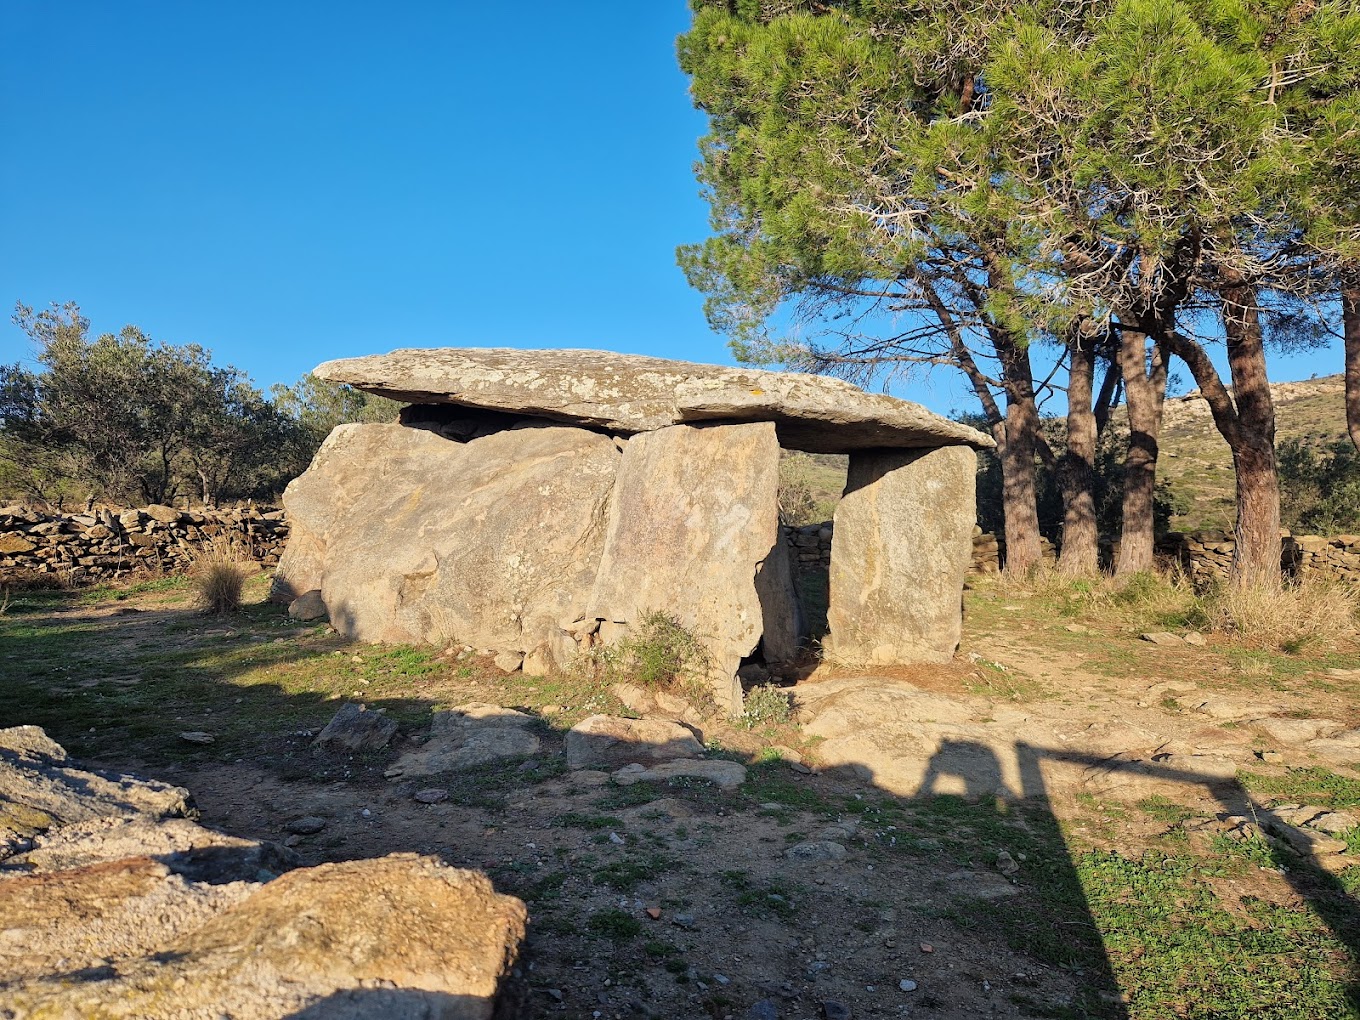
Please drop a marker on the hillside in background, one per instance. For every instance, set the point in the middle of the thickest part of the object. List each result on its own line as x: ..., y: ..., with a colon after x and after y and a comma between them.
x: 1196, y: 460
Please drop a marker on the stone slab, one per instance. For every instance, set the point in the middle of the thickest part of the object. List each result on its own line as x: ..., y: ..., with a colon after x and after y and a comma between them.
x: 613, y: 740
x: 466, y: 736
x: 630, y: 393
x: 725, y: 775
x: 412, y: 537
x: 693, y: 523
x: 901, y: 548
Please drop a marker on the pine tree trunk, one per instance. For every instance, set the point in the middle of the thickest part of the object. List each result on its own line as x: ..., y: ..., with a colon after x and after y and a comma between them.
x: 1144, y: 392
x: 1257, y: 557
x: 1350, y: 320
x: 1019, y: 491
x: 1076, y: 469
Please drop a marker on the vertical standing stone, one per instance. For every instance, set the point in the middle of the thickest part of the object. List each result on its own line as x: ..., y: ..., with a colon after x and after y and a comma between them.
x: 901, y: 548
x: 693, y: 517
x: 785, y: 623
x: 414, y: 537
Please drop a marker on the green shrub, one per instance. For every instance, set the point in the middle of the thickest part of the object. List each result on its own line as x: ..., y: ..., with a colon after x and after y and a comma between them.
x: 662, y: 653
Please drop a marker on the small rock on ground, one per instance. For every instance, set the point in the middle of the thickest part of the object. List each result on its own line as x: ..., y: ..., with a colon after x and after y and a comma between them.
x: 306, y: 826
x: 1162, y: 637
x: 816, y: 850
x: 308, y: 606
x: 356, y: 728
x: 509, y: 662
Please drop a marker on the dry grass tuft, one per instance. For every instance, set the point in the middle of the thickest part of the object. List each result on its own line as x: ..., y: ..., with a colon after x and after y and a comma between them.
x: 1311, y: 613
x: 218, y: 580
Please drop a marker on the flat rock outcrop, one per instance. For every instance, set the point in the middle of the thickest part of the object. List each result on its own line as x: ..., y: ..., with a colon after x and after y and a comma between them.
x: 41, y: 790
x: 467, y: 736
x: 630, y: 393
x: 113, y: 906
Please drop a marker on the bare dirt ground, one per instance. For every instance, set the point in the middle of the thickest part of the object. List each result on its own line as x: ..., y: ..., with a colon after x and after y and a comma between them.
x: 1080, y: 758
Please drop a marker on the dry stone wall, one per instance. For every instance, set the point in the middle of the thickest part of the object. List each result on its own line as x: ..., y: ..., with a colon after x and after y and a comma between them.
x: 1207, y: 555
x: 1204, y: 555
x: 106, y: 542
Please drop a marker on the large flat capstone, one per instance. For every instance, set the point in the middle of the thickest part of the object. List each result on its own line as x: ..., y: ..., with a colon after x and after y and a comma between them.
x: 629, y: 393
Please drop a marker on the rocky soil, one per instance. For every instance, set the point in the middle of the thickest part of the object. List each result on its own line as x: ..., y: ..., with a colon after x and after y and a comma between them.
x: 909, y: 849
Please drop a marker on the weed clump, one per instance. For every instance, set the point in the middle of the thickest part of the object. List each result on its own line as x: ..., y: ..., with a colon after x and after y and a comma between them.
x: 660, y: 655
x: 766, y: 705
x: 1304, y: 613
x: 218, y: 582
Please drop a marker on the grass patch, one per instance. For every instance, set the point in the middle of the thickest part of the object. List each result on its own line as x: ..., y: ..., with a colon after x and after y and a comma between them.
x: 1318, y: 787
x: 614, y: 924
x: 629, y: 872
x: 769, y: 782
x: 1178, y: 951
x: 591, y: 823
x: 1165, y: 810
x: 776, y: 897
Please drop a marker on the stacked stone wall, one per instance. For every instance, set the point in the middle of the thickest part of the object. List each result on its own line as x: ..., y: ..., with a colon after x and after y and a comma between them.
x: 106, y: 542
x: 1207, y: 555
x: 809, y: 545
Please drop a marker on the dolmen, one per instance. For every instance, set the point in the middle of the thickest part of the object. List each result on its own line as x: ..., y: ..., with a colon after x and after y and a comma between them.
x: 538, y: 503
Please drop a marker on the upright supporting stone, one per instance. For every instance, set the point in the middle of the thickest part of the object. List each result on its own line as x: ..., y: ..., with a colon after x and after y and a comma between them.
x: 902, y: 544
x: 694, y: 516
x: 414, y: 537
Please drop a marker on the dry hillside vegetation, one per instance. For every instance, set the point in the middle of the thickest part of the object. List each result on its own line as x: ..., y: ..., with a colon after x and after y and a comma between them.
x: 1196, y: 459
x: 1111, y: 895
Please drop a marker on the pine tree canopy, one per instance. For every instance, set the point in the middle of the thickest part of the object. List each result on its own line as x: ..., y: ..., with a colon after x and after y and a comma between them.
x: 1037, y: 161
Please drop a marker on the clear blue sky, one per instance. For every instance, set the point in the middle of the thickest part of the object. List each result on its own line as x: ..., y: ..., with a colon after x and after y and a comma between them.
x: 290, y: 182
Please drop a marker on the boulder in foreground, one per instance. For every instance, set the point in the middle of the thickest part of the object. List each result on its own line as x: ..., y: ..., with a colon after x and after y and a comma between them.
x: 402, y: 936
x: 161, y: 918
